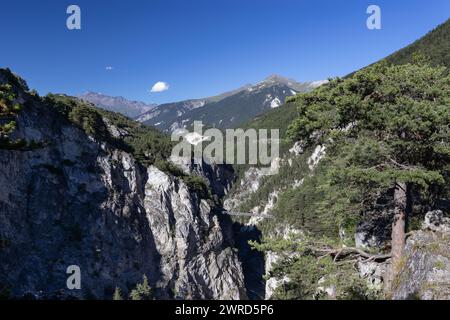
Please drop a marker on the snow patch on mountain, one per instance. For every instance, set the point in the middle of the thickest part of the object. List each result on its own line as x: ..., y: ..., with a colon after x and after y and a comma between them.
x: 275, y: 103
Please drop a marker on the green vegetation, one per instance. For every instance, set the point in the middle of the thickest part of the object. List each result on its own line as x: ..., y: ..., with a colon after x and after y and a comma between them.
x: 278, y: 118
x: 311, y: 272
x: 142, y: 291
x: 8, y: 111
x: 385, y: 126
x: 13, y: 80
x: 148, y: 145
x: 306, y: 206
x: 199, y: 185
x: 300, y: 201
x: 435, y: 46
x: 117, y: 294
x: 385, y: 129
x: 221, y: 112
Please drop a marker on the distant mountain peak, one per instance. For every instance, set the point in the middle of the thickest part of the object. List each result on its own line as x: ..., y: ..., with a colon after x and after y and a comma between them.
x: 277, y: 78
x: 229, y: 109
x: 118, y: 104
x: 99, y: 95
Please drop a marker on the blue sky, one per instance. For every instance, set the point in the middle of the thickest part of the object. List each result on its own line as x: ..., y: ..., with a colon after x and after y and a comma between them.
x: 200, y: 47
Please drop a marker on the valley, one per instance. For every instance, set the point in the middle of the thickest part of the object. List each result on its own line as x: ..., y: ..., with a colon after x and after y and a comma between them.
x: 358, y: 207
x: 228, y: 110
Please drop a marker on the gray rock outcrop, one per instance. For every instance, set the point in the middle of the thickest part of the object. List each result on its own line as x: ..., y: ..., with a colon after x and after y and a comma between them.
x: 425, y: 269
x: 78, y: 201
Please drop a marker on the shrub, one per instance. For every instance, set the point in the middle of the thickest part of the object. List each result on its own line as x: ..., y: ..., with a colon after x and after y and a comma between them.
x: 142, y: 291
x: 117, y: 294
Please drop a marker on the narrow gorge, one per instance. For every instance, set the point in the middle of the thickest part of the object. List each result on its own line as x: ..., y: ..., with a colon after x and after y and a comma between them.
x: 72, y: 199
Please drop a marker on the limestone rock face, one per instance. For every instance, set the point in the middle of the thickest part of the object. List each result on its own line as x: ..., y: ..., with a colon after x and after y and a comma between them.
x: 77, y: 201
x: 249, y: 184
x: 220, y: 178
x: 425, y: 271
x: 435, y: 220
x: 373, y: 272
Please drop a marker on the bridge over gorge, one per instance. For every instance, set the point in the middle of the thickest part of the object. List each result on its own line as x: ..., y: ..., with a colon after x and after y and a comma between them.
x: 246, y: 214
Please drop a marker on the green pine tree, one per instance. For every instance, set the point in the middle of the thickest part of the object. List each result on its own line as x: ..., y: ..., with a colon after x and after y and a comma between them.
x: 117, y: 294
x: 142, y: 291
x: 386, y: 128
x: 8, y: 111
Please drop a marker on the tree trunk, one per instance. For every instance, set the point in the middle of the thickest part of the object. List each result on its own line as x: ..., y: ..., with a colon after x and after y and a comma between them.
x: 398, y: 233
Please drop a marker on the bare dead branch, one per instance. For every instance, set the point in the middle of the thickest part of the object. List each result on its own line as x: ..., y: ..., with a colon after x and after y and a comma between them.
x: 348, y: 253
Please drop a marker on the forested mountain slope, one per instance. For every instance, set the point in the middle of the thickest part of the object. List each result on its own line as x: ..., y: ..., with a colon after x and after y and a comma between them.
x: 352, y: 149
x: 228, y: 110
x: 435, y: 47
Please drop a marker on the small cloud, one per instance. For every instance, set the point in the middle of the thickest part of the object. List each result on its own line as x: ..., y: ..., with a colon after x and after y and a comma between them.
x: 109, y: 68
x: 160, y: 87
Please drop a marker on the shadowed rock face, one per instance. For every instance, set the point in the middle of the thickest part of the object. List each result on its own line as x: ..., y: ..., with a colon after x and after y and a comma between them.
x: 77, y: 201
x: 252, y: 260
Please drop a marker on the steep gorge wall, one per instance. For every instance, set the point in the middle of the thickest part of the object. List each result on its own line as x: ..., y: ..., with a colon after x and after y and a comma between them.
x: 77, y: 201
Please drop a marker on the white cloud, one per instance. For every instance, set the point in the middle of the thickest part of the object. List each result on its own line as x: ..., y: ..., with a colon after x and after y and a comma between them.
x: 160, y: 87
x: 109, y: 68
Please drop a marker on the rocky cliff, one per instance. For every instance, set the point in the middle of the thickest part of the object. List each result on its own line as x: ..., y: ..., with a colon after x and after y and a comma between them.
x: 424, y: 272
x: 76, y: 200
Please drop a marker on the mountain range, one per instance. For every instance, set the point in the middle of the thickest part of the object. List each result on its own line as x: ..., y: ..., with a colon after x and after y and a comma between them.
x: 296, y: 196
x: 227, y: 110
x: 131, y: 109
x: 249, y: 102
x: 434, y: 47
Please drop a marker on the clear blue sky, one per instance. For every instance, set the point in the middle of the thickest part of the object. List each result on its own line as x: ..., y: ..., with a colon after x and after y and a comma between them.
x: 200, y: 47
